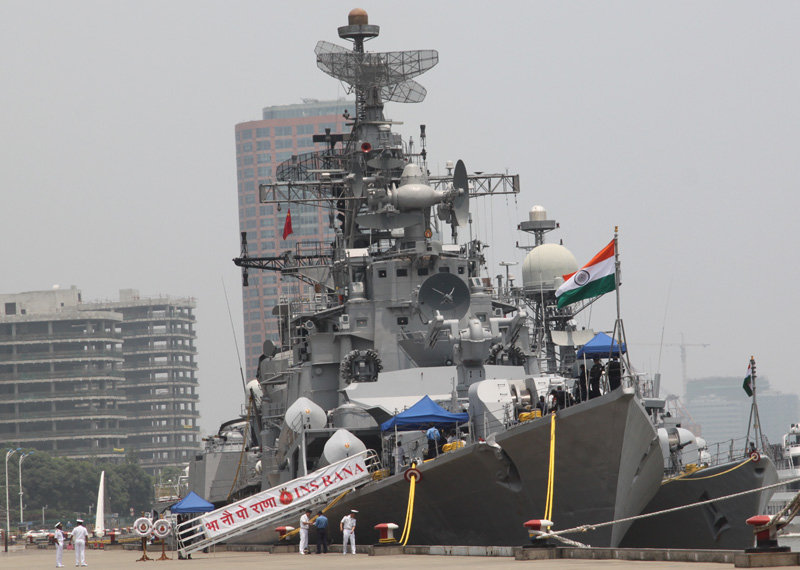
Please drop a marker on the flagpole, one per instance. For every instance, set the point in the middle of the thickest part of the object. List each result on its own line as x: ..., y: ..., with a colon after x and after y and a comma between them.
x: 619, y: 328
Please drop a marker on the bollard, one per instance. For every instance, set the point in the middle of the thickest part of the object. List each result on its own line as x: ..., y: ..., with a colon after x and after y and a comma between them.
x: 534, y: 527
x: 282, y: 530
x: 766, y: 539
x: 387, y: 532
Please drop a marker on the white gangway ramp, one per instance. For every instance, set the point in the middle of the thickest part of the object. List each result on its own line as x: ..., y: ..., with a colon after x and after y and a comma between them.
x: 285, y: 501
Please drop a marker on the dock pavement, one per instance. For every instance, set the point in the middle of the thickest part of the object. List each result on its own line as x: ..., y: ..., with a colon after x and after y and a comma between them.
x: 30, y: 559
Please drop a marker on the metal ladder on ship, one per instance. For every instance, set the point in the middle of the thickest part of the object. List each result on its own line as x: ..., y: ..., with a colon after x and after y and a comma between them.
x: 192, y: 535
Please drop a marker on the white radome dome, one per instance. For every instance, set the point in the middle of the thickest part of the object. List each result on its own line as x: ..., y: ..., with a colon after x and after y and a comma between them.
x: 544, y: 266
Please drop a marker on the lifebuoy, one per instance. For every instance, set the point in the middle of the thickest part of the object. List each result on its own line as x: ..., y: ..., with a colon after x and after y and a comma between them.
x: 162, y: 528
x: 142, y: 527
x: 755, y: 456
x: 412, y: 473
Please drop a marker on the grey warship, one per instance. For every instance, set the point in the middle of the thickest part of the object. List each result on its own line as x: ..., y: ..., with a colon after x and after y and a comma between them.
x: 395, y: 308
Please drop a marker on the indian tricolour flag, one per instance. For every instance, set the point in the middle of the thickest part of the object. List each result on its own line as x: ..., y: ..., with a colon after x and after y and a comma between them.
x: 748, y: 380
x: 592, y: 280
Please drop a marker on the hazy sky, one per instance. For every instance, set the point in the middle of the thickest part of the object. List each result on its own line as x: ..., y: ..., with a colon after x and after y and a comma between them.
x: 676, y: 121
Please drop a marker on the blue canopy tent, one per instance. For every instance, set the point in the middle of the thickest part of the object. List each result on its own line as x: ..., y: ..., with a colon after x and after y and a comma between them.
x: 601, y: 345
x: 192, y: 503
x: 421, y: 415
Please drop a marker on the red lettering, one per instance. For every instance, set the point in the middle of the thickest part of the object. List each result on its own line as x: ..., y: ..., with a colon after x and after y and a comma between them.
x: 326, y: 480
x: 339, y: 476
x: 227, y: 518
x: 359, y: 468
x: 305, y: 490
x: 242, y: 512
x: 346, y: 470
x: 213, y: 525
x: 314, y: 485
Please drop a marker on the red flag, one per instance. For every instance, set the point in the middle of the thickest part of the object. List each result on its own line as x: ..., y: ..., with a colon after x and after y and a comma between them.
x: 287, y: 225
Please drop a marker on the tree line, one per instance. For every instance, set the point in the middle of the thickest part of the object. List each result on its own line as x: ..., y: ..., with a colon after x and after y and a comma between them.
x: 67, y: 488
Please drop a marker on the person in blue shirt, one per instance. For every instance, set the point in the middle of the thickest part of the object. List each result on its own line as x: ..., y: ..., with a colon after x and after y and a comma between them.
x: 322, y: 533
x: 433, y: 442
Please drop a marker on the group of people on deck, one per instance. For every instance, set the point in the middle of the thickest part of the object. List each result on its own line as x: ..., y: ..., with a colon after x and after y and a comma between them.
x: 586, y: 387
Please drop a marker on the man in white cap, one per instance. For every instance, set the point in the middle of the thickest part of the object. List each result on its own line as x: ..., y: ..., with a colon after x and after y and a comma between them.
x: 59, y: 540
x: 79, y: 536
x: 348, y: 528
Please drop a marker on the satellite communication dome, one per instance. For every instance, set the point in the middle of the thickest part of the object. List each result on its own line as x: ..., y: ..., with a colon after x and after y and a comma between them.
x: 544, y: 266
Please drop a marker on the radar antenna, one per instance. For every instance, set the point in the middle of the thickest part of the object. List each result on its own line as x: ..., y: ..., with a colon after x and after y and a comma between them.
x: 389, y: 72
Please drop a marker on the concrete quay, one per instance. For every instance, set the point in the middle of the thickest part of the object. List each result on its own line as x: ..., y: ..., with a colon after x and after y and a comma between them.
x: 391, y: 557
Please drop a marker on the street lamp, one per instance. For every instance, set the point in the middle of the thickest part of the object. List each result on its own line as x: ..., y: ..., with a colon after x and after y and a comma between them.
x: 21, y: 457
x: 9, y: 453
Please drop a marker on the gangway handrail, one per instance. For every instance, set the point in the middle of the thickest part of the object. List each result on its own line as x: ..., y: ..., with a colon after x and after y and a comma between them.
x: 195, y: 534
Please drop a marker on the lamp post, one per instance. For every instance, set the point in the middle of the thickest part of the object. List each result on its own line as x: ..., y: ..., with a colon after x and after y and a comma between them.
x: 9, y: 453
x: 21, y: 457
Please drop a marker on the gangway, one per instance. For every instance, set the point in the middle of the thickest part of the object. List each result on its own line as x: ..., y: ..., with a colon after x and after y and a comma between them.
x: 286, y: 501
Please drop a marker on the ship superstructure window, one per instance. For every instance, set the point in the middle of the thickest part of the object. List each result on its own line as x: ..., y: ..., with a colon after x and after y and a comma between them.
x: 444, y: 269
x: 461, y: 270
x: 361, y: 323
x: 402, y: 320
x: 382, y: 273
x: 402, y: 272
x: 422, y: 271
x: 11, y: 308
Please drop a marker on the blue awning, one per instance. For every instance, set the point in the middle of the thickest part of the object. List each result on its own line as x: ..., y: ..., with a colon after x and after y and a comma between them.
x: 423, y: 415
x: 601, y: 345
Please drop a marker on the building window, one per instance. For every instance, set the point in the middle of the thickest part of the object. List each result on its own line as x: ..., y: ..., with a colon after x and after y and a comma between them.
x: 281, y: 156
x: 246, y: 134
x: 284, y: 143
x: 250, y: 212
x: 265, y: 172
x: 248, y: 172
x: 250, y: 199
x: 247, y: 159
x: 247, y: 147
x: 283, y: 131
x: 265, y: 210
x: 262, y: 132
x: 305, y: 129
x: 264, y: 157
x: 305, y: 142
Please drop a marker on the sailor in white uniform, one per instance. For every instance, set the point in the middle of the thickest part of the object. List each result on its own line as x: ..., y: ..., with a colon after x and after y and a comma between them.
x: 304, y: 522
x: 348, y: 528
x: 59, y: 539
x: 79, y: 536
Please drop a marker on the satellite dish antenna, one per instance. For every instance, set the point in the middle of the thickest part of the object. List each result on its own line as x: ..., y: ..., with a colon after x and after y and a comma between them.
x: 446, y: 293
x: 269, y: 348
x: 357, y: 180
x: 461, y: 202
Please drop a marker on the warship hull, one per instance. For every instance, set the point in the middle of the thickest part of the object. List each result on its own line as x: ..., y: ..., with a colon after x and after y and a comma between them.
x: 607, y: 466
x: 718, y: 525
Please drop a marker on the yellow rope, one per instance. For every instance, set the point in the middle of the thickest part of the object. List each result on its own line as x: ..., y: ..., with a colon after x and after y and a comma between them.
x: 548, y: 507
x: 409, y: 510
x: 685, y: 476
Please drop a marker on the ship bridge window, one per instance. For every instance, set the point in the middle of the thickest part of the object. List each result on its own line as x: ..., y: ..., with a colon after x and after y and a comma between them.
x: 444, y: 269
x: 381, y: 273
x: 402, y: 320
x: 361, y: 323
x: 461, y: 270
x: 481, y: 317
x: 422, y: 271
x: 402, y: 272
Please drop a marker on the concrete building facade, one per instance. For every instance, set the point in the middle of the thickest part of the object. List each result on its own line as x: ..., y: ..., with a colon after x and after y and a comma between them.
x: 98, y: 380
x: 161, y: 402
x: 283, y: 132
x: 61, y: 377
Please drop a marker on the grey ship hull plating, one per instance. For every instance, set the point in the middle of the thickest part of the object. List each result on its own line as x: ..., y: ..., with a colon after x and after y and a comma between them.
x: 607, y: 467
x: 719, y: 525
